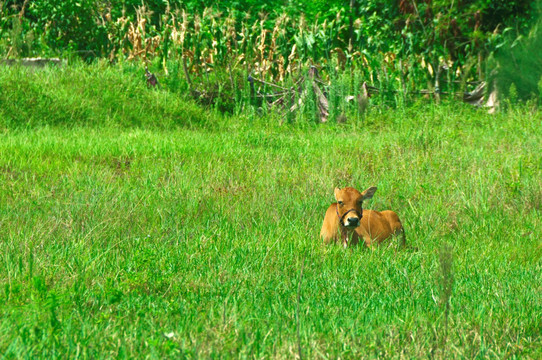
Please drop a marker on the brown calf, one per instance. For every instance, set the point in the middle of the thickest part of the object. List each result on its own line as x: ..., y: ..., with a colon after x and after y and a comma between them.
x: 346, y: 219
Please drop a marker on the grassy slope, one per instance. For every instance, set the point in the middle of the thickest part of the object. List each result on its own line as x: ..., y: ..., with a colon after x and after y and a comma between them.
x: 96, y: 95
x: 125, y: 240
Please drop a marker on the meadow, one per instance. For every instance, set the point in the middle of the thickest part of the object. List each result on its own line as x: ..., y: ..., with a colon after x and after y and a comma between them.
x: 134, y: 224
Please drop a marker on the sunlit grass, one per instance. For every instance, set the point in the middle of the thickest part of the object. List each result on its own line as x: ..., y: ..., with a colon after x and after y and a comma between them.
x: 145, y: 241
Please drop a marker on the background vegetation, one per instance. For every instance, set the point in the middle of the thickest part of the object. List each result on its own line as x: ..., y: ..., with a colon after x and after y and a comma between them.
x: 401, y: 46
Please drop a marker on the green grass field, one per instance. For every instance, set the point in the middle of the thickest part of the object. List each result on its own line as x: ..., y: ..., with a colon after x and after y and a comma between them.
x: 199, y: 238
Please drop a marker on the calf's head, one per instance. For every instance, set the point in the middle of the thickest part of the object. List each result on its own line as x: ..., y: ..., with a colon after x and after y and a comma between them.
x: 349, y: 205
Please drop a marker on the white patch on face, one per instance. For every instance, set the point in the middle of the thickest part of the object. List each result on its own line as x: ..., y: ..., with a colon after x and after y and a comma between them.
x: 352, y: 223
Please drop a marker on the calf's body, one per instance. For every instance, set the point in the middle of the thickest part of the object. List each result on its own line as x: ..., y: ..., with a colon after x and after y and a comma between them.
x: 371, y: 226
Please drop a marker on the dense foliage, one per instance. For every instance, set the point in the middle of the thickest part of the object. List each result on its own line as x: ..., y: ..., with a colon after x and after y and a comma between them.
x: 397, y: 46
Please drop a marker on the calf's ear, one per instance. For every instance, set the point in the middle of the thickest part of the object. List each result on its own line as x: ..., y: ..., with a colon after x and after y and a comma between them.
x: 337, y: 193
x: 367, y: 194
